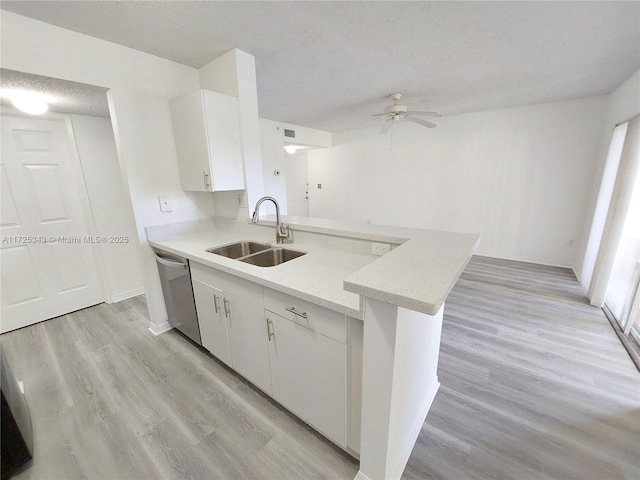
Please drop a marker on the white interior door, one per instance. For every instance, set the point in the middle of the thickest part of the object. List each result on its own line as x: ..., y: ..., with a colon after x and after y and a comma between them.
x: 47, y: 264
x: 297, y: 177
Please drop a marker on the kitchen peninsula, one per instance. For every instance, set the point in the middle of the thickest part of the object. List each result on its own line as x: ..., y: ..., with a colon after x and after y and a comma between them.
x: 364, y: 329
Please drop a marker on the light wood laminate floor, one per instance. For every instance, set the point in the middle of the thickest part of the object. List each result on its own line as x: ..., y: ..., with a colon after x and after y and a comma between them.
x: 535, y: 384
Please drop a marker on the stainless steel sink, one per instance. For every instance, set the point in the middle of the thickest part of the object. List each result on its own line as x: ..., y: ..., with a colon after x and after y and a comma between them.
x: 239, y: 249
x: 254, y: 253
x: 272, y: 257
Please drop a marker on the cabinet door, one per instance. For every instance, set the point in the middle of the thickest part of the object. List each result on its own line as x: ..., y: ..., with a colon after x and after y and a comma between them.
x: 248, y: 339
x: 192, y: 146
x: 213, y: 324
x: 308, y: 375
x: 223, y: 133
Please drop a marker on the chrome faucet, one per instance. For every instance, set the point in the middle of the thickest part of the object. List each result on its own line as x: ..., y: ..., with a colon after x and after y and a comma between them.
x: 282, y: 231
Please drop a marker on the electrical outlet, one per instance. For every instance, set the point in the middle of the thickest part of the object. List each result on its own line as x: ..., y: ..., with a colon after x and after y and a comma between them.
x: 165, y: 203
x: 380, y: 248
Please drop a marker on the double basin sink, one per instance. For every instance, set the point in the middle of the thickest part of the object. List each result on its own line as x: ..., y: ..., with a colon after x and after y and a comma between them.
x: 254, y: 253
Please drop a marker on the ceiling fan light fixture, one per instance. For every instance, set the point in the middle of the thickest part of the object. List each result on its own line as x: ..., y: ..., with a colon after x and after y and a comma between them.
x: 396, y: 112
x: 396, y: 109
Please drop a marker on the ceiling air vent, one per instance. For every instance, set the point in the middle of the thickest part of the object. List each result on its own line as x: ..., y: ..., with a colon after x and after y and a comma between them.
x: 289, y: 133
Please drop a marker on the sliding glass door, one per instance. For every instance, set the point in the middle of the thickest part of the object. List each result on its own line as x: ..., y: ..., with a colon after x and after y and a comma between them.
x: 622, y: 292
x: 622, y: 297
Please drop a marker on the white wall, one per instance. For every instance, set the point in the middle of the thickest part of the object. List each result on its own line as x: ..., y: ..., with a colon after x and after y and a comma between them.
x: 111, y: 209
x: 274, y: 158
x: 309, y: 137
x: 520, y: 177
x: 623, y: 104
x: 141, y: 86
x: 272, y: 141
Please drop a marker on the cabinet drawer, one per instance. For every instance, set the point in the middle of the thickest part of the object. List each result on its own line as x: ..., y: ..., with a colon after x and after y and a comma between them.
x: 319, y: 319
x: 240, y: 287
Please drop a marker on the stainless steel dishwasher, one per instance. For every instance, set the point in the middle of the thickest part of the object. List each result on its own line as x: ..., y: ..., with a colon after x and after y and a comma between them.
x: 175, y: 278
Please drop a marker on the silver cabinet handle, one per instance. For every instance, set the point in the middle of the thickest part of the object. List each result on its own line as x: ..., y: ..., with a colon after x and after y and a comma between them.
x: 227, y: 307
x: 205, y: 176
x: 170, y: 263
x: 216, y: 299
x: 269, y: 330
x: 295, y: 312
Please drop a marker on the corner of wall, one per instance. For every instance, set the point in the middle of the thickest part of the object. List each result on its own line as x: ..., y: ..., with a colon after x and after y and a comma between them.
x: 221, y: 74
x: 234, y: 73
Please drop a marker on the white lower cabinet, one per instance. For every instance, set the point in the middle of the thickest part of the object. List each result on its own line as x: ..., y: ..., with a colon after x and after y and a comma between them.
x: 308, y: 375
x: 299, y: 355
x: 248, y: 340
x: 233, y: 322
x: 213, y: 324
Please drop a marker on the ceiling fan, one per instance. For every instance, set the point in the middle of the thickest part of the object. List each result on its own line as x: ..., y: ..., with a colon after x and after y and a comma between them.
x: 397, y: 112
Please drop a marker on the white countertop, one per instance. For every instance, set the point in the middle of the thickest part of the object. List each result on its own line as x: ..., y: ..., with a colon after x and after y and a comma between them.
x: 418, y: 274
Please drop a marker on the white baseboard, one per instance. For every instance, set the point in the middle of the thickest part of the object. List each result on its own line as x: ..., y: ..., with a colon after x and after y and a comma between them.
x: 118, y: 297
x: 160, y: 329
x: 361, y: 476
x: 413, y: 435
x: 526, y: 259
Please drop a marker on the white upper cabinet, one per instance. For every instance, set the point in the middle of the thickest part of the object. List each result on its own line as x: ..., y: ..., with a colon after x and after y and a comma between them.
x: 207, y: 135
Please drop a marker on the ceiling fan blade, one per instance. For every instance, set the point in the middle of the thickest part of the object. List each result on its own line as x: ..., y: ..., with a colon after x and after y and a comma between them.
x: 380, y: 114
x: 419, y: 121
x: 431, y: 114
x: 387, y: 125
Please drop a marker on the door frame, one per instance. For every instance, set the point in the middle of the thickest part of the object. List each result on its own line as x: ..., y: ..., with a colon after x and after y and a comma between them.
x: 615, y: 215
x: 78, y: 175
x: 634, y: 305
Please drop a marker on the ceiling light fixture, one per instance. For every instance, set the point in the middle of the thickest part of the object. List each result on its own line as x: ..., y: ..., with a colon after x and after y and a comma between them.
x: 28, y: 102
x: 31, y: 104
x: 290, y: 149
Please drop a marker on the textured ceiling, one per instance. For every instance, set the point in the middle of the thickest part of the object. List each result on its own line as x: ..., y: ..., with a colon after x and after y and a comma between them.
x: 330, y: 65
x: 66, y: 97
